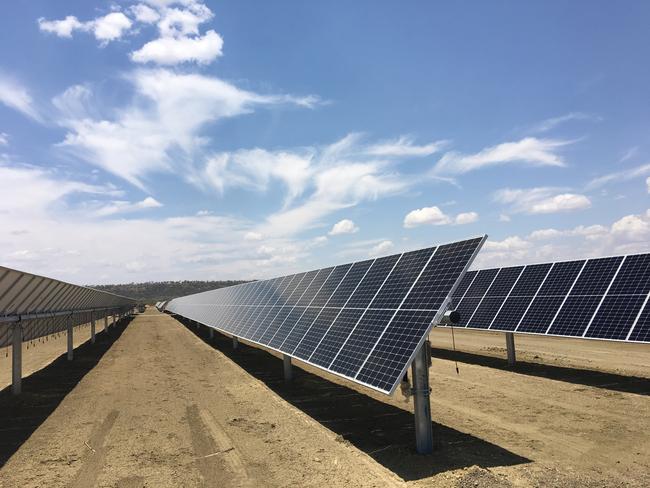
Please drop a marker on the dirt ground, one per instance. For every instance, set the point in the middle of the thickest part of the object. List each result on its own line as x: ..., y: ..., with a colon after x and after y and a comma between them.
x: 155, y: 403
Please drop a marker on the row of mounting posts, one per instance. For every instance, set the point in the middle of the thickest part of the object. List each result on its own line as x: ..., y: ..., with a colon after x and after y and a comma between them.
x: 17, y: 343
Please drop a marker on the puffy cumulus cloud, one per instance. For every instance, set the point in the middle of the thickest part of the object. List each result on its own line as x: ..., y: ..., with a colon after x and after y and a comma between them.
x: 619, y: 176
x: 541, y: 200
x: 427, y: 215
x: 529, y: 151
x: 466, y: 218
x: 166, y: 115
x: 435, y: 216
x: 106, y: 28
x: 629, y: 234
x: 345, y: 226
x: 16, y: 96
x: 145, y: 14
x: 171, y: 51
x: 384, y: 247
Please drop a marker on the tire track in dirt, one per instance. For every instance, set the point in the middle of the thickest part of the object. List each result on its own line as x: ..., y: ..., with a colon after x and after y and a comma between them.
x: 217, y: 458
x: 94, y: 460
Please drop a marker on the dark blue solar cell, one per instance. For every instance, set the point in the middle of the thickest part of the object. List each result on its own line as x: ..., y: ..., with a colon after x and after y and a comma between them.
x: 560, y: 278
x: 540, y: 314
x: 615, y: 317
x: 386, y: 364
x: 634, y: 276
x: 300, y: 330
x: 349, y: 284
x: 286, y: 327
x: 596, y: 276
x: 641, y: 331
x: 441, y: 274
x: 317, y: 330
x: 464, y: 284
x: 314, y: 287
x: 332, y: 283
x: 335, y: 336
x: 361, y: 341
x: 401, y: 279
x: 372, y: 281
x: 575, y: 315
x: 511, y: 313
x: 466, y: 309
x: 486, y: 312
x: 274, y: 325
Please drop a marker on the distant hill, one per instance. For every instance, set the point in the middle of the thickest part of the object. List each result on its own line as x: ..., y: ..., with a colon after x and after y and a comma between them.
x: 156, y: 291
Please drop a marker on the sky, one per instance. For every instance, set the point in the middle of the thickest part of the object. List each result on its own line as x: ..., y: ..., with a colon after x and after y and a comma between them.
x: 237, y: 139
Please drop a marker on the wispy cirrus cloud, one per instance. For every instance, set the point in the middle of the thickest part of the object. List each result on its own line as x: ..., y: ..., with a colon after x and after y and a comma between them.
x: 619, y: 176
x: 529, y: 151
x: 553, y: 122
x: 14, y: 95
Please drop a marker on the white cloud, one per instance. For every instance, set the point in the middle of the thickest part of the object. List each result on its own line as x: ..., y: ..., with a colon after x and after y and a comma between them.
x: 145, y: 14
x: 427, y: 215
x: 466, y: 218
x: 121, y: 206
x: 345, y: 226
x: 382, y: 248
x: 15, y: 96
x: 167, y: 115
x: 253, y: 236
x: 404, y: 147
x: 529, y: 151
x: 111, y: 27
x: 504, y: 218
x: 647, y: 182
x: 435, y: 216
x: 618, y: 176
x: 172, y: 50
x: 552, y: 123
x: 62, y: 28
x: 542, y: 200
x: 4, y: 139
x: 629, y: 234
x: 107, y: 28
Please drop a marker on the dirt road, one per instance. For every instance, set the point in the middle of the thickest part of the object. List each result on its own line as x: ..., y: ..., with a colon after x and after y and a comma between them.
x: 160, y: 405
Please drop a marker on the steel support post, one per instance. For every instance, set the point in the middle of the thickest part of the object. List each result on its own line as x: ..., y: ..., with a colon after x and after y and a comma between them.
x: 211, y: 333
x: 105, y: 323
x: 92, y: 328
x: 288, y: 370
x: 421, y: 391
x: 114, y: 321
x: 510, y: 347
x: 235, y: 342
x: 17, y: 359
x: 70, y: 339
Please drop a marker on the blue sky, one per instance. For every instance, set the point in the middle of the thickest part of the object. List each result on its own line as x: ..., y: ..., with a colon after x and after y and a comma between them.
x: 185, y: 139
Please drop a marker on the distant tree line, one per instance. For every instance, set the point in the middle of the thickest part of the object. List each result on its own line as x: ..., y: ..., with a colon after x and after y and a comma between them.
x: 156, y: 291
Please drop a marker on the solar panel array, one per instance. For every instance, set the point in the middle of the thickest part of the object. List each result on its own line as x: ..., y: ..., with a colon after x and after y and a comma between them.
x: 605, y: 298
x: 361, y: 320
x: 44, y: 306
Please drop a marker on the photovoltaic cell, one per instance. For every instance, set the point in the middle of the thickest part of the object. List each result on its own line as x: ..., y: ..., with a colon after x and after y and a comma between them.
x: 334, y: 338
x: 372, y: 282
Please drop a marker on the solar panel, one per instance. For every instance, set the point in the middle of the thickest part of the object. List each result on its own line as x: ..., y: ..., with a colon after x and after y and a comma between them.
x: 601, y: 298
x: 363, y: 321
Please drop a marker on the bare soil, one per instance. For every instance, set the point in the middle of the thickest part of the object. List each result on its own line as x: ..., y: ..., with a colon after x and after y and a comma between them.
x: 155, y: 403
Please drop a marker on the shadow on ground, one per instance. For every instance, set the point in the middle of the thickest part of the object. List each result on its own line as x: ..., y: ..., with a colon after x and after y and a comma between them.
x: 44, y: 390
x: 384, y: 432
x: 585, y: 377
